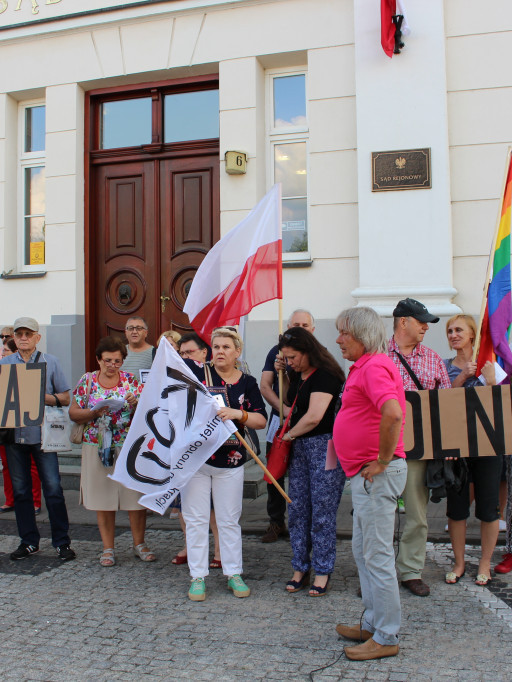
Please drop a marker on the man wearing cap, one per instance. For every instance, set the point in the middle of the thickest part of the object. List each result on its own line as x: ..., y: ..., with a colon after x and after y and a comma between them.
x: 27, y: 441
x: 420, y: 368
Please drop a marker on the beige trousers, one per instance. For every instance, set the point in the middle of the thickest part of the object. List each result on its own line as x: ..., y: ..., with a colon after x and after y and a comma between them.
x: 413, y: 545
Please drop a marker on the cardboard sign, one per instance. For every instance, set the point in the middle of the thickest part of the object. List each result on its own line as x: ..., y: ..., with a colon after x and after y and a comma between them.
x: 458, y: 422
x: 22, y: 391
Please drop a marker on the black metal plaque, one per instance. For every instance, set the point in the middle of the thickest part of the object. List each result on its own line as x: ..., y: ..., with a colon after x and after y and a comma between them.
x: 404, y: 169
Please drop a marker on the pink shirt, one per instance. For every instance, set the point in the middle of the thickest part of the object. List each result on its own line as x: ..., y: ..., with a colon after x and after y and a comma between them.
x: 372, y: 380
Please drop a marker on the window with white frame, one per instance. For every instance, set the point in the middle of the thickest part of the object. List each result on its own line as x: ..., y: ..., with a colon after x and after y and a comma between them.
x: 288, y: 133
x: 32, y: 195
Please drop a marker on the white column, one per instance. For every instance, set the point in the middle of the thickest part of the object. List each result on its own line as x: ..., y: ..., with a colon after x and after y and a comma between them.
x: 405, y: 236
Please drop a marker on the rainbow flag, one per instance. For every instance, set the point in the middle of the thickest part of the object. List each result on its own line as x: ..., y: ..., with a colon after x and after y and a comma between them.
x: 498, y: 310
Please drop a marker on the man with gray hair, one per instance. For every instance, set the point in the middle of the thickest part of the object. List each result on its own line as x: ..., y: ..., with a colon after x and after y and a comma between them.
x: 140, y: 352
x: 368, y: 438
x: 269, y: 387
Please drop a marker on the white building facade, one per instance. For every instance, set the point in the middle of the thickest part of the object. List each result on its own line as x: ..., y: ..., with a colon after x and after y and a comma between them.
x: 115, y: 118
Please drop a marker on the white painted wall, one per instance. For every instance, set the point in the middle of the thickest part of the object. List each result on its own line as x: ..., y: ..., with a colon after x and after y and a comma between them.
x: 450, y: 90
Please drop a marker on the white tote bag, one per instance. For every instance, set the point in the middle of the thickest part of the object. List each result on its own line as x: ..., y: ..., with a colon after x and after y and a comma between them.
x: 55, y: 430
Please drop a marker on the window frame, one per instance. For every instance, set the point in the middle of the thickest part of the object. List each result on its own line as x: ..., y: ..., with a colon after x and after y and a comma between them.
x: 27, y: 160
x: 288, y: 135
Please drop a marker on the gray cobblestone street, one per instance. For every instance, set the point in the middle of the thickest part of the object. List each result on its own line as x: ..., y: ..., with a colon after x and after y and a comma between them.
x: 79, y: 621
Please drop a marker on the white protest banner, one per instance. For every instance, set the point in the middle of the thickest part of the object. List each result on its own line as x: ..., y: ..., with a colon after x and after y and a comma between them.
x: 174, y: 431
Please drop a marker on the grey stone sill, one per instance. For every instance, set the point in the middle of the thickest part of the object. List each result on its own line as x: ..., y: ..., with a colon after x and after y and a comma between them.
x: 297, y: 263
x: 22, y: 275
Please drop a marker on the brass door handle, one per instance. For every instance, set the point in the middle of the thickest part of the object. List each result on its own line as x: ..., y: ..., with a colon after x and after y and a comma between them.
x: 164, y: 299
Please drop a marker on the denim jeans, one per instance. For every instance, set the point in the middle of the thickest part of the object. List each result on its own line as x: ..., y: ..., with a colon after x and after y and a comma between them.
x: 372, y: 546
x: 18, y: 460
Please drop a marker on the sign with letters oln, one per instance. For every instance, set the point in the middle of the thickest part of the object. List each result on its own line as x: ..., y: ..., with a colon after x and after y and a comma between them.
x: 458, y: 422
x: 22, y: 391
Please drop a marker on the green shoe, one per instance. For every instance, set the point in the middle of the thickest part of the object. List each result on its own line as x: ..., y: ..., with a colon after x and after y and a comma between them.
x: 238, y: 586
x: 197, y: 590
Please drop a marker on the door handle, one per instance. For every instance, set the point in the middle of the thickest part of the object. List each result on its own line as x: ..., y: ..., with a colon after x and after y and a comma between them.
x: 164, y: 299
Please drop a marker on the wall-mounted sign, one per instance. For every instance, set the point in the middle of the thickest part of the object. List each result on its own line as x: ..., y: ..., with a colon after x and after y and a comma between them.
x: 405, y: 169
x: 19, y: 12
x: 36, y: 253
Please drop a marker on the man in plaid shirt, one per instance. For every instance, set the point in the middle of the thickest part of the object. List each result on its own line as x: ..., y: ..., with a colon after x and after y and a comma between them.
x: 410, y: 324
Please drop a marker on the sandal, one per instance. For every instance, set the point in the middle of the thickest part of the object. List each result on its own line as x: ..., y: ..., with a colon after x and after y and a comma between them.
x: 215, y: 563
x: 452, y: 578
x: 143, y: 552
x: 107, y: 558
x: 298, y: 585
x: 179, y: 560
x: 482, y: 579
x: 317, y: 591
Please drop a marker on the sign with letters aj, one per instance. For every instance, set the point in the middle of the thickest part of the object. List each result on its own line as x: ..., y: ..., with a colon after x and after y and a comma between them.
x: 458, y: 422
x: 22, y: 391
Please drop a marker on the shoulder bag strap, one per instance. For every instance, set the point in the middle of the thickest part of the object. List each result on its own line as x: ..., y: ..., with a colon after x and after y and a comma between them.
x: 283, y: 430
x: 208, y: 374
x: 410, y: 371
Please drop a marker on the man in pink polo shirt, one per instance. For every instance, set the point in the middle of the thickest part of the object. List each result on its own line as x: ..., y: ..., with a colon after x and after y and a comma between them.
x: 368, y: 441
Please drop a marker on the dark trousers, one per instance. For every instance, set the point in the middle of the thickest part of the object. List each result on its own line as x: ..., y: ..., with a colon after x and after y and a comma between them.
x: 276, y: 504
x: 18, y: 460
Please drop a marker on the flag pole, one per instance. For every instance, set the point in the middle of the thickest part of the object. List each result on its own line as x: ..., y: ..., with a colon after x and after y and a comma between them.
x: 476, y: 346
x: 267, y: 472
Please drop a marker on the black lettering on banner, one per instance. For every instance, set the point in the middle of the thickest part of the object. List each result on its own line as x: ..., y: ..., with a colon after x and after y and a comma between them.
x: 12, y: 396
x: 131, y: 464
x: 475, y: 408
x: 188, y: 385
x: 435, y: 424
x: 41, y: 366
x: 418, y: 450
x: 150, y: 421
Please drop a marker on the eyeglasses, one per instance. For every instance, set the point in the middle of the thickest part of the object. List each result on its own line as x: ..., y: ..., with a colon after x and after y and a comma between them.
x: 20, y: 335
x: 117, y: 363
x: 5, y: 336
x: 136, y: 329
x: 186, y: 353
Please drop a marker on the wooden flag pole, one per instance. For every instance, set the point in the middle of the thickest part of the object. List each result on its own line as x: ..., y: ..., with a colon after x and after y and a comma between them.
x: 280, y: 373
x: 267, y: 472
x: 476, y: 346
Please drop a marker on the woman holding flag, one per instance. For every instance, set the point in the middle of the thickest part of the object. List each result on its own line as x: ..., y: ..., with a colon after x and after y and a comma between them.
x: 222, y: 476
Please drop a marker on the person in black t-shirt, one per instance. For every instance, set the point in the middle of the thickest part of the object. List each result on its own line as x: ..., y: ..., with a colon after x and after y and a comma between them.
x: 269, y: 387
x: 314, y: 384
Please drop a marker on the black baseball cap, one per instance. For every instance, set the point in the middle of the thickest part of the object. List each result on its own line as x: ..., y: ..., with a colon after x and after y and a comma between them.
x: 409, y: 307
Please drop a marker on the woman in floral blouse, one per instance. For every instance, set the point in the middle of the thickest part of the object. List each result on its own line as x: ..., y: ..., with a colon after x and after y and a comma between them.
x: 105, y: 429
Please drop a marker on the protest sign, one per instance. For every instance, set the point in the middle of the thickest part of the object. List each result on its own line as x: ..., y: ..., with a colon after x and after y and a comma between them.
x: 458, y: 422
x: 22, y: 391
x: 174, y: 431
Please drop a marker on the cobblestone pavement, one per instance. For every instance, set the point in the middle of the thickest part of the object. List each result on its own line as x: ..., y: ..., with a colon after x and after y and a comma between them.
x: 79, y: 621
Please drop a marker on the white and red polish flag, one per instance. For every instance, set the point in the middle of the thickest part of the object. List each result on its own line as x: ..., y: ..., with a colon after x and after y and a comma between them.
x: 242, y: 270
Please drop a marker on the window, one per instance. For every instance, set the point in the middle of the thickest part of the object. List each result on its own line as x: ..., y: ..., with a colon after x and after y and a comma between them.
x: 32, y: 185
x: 155, y: 116
x: 191, y: 116
x: 125, y: 123
x: 288, y: 134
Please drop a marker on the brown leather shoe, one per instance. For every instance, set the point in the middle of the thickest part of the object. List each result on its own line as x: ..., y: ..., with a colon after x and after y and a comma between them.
x: 417, y: 587
x: 370, y: 650
x: 273, y: 532
x: 355, y: 633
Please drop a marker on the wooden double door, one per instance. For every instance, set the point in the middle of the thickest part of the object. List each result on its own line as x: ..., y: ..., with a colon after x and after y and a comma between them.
x: 152, y: 221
